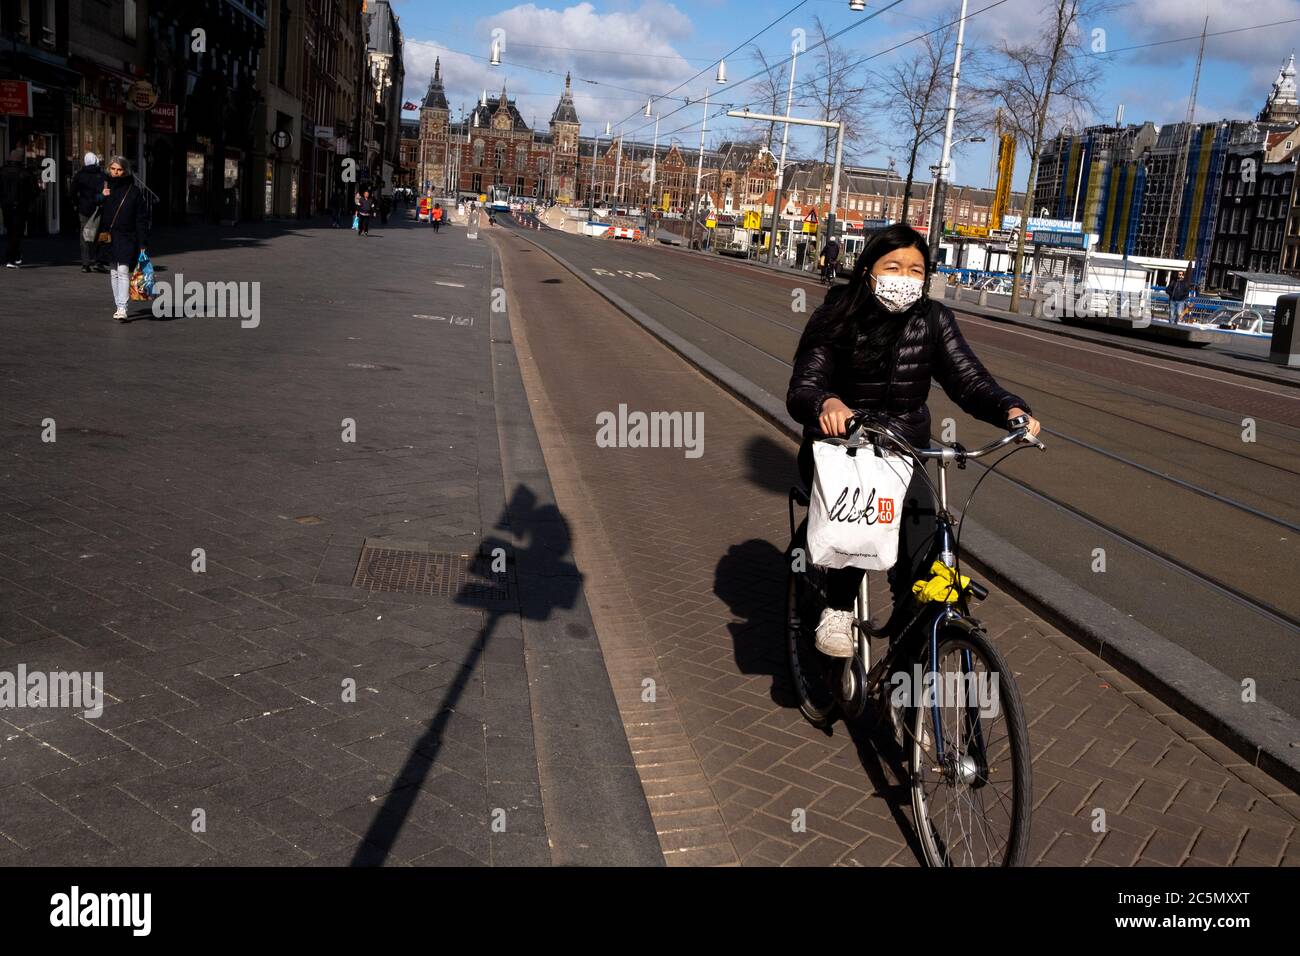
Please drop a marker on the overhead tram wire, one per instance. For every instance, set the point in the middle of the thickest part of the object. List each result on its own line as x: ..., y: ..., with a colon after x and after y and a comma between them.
x: 772, y: 66
x: 1139, y: 46
x: 802, y: 85
x: 639, y: 93
x: 1216, y: 33
x: 534, y: 69
x: 696, y: 76
x: 723, y: 110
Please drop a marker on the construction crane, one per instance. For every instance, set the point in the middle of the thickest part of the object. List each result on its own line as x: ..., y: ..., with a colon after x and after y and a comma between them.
x: 1006, y: 166
x: 1177, y: 185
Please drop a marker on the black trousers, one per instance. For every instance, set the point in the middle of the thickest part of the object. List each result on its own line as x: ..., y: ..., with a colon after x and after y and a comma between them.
x: 915, y: 537
x: 15, y: 224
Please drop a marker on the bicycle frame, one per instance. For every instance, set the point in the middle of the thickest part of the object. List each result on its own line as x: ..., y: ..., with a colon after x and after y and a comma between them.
x: 943, y: 549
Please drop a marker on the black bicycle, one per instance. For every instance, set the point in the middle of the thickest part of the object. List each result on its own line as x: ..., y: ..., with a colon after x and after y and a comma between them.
x: 949, y: 694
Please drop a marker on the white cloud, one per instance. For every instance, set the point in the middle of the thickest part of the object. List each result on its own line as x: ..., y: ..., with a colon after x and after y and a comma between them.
x: 578, y: 38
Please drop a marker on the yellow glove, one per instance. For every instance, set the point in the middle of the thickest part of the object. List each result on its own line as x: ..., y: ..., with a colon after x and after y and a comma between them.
x: 940, y: 587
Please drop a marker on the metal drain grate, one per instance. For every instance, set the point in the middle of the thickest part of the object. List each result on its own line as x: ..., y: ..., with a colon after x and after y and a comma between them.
x: 466, y: 577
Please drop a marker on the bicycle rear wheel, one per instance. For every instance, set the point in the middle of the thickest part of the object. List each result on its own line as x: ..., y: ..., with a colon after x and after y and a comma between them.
x: 971, y: 776
x: 810, y: 670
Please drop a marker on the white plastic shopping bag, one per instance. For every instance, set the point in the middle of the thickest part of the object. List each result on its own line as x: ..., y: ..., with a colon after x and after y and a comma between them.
x: 856, y: 507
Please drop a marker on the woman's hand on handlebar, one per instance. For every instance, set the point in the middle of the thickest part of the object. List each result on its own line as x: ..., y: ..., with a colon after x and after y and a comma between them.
x: 1033, y: 423
x: 834, y: 418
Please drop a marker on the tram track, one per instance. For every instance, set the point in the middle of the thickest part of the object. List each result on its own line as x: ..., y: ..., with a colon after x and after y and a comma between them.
x: 715, y: 312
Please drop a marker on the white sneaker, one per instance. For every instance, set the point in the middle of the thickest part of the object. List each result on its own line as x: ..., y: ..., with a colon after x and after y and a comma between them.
x: 835, y: 633
x: 120, y: 314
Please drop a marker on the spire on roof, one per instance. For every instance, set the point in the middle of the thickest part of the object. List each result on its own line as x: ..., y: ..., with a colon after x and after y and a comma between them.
x: 435, y: 98
x: 565, y: 111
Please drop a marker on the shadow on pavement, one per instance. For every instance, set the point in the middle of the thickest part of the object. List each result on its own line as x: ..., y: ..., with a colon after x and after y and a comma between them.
x: 751, y: 579
x: 53, y: 251
x: 545, y: 544
x: 772, y: 466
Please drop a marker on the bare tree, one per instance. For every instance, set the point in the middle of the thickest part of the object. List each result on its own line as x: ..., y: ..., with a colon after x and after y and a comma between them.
x: 769, y: 90
x: 913, y: 94
x: 1042, y: 86
x: 836, y: 93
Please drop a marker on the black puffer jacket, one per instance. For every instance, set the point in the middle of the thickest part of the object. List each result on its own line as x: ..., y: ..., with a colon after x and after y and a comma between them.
x: 929, y: 346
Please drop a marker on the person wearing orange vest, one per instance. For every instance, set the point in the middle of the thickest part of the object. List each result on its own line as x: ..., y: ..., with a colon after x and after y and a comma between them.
x: 436, y: 215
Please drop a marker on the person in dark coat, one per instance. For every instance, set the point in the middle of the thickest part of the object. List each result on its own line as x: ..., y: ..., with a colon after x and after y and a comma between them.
x: 87, y: 195
x: 125, y: 216
x: 18, y: 190
x: 1178, y: 291
x: 874, y: 345
x: 365, y: 210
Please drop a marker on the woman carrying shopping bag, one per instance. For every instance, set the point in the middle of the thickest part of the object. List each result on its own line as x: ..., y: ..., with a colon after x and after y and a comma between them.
x: 873, y: 346
x: 365, y: 209
x: 124, y: 219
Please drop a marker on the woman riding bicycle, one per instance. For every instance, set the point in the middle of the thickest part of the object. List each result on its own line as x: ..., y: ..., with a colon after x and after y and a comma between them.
x: 873, y: 346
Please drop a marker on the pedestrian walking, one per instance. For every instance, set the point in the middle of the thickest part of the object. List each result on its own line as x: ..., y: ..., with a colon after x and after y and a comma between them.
x: 437, y: 216
x: 1178, y: 291
x: 365, y: 209
x: 125, y: 217
x: 87, y: 196
x: 18, y: 190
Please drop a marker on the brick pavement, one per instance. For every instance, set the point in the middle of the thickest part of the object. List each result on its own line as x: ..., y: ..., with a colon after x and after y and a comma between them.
x: 684, y: 573
x: 225, y: 689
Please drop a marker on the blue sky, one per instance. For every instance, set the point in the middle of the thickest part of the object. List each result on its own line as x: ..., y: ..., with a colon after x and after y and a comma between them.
x: 620, y: 51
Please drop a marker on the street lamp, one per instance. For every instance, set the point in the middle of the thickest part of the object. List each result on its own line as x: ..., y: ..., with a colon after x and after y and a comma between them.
x: 654, y: 150
x: 591, y: 187
x: 889, y: 188
x: 699, y: 169
x: 857, y: 6
x: 936, y: 213
x: 496, y: 54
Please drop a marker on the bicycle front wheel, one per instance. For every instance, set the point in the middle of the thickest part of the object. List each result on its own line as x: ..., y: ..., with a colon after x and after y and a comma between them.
x: 971, y: 784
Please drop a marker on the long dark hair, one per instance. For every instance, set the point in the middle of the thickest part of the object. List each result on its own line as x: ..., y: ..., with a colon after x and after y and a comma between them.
x: 854, y: 309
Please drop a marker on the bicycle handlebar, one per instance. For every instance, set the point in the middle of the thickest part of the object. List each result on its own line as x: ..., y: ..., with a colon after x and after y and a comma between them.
x: 869, y: 431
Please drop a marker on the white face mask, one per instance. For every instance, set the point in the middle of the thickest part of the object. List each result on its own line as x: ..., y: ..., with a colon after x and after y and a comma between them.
x: 897, y: 293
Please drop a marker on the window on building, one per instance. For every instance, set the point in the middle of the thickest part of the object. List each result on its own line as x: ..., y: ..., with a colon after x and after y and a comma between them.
x: 477, y: 183
x: 478, y: 153
x: 521, y: 156
x: 519, y: 185
x: 500, y: 155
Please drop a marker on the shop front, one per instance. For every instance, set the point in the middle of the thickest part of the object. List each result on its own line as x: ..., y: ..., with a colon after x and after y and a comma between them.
x: 34, y: 93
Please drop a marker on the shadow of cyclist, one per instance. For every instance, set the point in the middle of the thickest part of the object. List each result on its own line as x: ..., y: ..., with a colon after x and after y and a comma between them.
x: 751, y: 579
